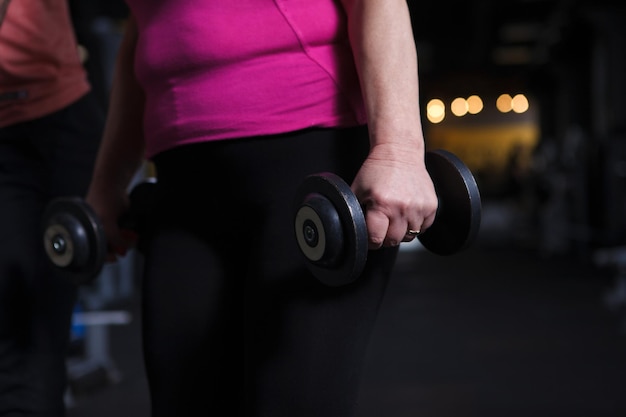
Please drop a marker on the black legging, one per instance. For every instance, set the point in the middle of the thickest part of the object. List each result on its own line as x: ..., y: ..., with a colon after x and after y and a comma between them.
x: 40, y: 159
x: 234, y: 324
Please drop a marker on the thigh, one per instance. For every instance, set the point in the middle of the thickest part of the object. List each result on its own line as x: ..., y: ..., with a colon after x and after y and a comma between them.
x: 39, y: 159
x: 27, y: 283
x: 35, y: 306
x: 191, y: 313
x: 192, y: 292
x: 306, y: 342
x: 314, y: 340
x: 295, y: 346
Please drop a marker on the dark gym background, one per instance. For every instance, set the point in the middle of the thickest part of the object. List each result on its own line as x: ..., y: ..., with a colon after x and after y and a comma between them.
x: 531, y: 319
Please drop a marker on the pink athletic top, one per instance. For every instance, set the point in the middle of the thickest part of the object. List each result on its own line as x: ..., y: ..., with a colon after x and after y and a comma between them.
x: 226, y: 69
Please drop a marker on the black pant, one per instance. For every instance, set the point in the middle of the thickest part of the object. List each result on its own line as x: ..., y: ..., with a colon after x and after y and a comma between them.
x: 39, y: 160
x: 234, y: 323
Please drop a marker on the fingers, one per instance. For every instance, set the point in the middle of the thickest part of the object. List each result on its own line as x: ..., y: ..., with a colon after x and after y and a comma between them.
x: 396, y: 197
x: 390, y: 230
x: 411, y: 234
x: 389, y: 219
x: 377, y: 226
x: 120, y: 242
x: 109, y: 206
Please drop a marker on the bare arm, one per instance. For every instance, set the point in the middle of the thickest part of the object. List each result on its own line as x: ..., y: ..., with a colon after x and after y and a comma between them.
x: 393, y: 183
x: 122, y: 148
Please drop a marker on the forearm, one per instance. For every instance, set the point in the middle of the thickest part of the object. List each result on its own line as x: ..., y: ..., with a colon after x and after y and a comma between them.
x: 122, y: 149
x: 384, y: 49
x: 393, y: 184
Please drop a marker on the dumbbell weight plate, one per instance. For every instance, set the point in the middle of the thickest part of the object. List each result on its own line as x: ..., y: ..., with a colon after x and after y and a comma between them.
x: 459, y: 213
x: 330, y: 229
x: 74, y: 239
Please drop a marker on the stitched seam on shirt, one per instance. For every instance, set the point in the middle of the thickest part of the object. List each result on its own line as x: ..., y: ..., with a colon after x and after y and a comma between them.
x: 283, y: 11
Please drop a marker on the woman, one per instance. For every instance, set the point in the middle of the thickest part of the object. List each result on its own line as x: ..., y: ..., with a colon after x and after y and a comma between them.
x: 235, y: 103
x: 50, y: 129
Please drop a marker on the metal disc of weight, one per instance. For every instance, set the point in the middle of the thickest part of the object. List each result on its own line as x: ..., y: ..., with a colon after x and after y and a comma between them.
x: 459, y: 213
x: 74, y: 239
x: 330, y: 229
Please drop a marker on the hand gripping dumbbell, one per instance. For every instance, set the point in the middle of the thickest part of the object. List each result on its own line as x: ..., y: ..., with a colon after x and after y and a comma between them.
x: 74, y: 238
x: 331, y: 230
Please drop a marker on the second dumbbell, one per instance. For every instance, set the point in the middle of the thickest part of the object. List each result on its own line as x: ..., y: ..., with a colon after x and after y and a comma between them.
x: 74, y: 238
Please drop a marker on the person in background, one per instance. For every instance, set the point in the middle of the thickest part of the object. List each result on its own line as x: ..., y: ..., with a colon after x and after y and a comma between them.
x: 50, y: 130
x: 235, y: 102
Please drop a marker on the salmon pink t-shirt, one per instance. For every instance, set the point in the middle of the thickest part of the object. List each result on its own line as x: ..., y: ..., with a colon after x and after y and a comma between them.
x: 223, y: 69
x: 40, y: 68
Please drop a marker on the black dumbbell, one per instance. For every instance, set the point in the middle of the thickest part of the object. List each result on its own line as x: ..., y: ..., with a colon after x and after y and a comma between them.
x: 73, y: 235
x: 330, y: 225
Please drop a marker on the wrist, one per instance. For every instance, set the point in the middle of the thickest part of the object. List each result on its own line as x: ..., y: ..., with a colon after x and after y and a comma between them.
x: 407, y: 150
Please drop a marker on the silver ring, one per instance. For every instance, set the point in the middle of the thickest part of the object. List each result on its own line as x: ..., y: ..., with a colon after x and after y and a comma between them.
x: 410, y: 232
